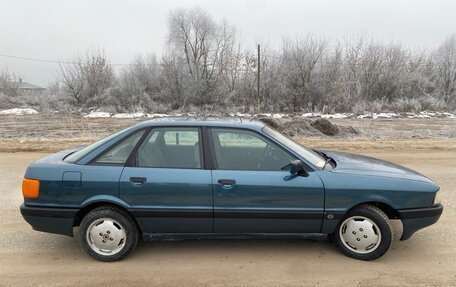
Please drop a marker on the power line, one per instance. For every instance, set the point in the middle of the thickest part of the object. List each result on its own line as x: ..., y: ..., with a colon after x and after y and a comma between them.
x: 320, y: 61
x: 59, y: 62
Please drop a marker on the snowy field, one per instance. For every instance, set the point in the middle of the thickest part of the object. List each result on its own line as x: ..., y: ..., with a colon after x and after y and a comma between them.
x: 367, y: 115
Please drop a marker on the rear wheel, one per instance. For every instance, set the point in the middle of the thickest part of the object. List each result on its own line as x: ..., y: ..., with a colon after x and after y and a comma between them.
x: 364, y: 233
x: 108, y: 233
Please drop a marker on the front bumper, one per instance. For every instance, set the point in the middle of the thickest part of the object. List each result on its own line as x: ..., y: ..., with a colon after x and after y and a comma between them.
x: 416, y: 219
x: 52, y: 220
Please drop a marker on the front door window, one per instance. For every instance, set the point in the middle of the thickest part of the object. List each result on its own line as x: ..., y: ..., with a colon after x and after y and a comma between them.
x: 245, y: 150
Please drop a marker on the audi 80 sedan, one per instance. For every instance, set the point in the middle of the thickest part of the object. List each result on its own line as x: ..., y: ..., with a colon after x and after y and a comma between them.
x: 222, y: 178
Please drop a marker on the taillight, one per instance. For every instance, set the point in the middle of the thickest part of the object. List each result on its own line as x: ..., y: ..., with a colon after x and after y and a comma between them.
x: 30, y: 188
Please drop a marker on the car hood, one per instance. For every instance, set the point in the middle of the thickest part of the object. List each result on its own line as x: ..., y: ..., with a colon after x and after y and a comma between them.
x: 364, y: 165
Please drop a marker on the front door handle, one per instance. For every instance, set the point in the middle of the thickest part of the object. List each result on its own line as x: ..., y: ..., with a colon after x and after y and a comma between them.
x: 226, y: 183
x: 137, y: 181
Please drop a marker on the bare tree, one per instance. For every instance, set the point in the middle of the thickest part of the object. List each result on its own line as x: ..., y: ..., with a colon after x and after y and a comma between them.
x: 9, y: 84
x: 332, y: 79
x: 192, y: 36
x: 87, y: 78
x: 229, y: 61
x: 208, y: 53
x: 138, y: 85
x: 445, y: 58
x: 353, y: 57
x: 392, y: 82
x: 301, y: 57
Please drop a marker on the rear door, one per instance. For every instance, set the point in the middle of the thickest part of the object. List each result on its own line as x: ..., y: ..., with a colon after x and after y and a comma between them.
x: 252, y: 194
x: 166, y: 185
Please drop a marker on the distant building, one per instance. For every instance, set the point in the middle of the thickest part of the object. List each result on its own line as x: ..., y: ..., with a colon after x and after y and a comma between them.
x: 27, y: 87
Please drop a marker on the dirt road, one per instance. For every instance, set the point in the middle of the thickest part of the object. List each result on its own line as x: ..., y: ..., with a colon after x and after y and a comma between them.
x: 28, y: 257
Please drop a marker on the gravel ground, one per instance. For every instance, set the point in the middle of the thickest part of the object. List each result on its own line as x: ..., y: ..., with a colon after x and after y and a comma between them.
x: 30, y: 258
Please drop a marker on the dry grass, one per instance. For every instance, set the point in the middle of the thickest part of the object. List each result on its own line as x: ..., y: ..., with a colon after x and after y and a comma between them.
x: 50, y: 133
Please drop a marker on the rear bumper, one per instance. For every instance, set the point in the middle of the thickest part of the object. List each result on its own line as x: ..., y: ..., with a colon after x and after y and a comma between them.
x: 416, y: 219
x: 52, y: 220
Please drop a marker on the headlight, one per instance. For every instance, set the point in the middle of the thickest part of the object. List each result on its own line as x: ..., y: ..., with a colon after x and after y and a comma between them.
x: 437, y: 197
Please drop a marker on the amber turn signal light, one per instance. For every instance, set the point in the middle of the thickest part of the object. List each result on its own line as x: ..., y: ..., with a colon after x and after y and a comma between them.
x: 30, y: 188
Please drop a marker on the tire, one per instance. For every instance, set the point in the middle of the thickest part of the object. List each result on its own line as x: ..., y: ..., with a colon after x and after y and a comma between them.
x: 365, y: 233
x: 108, y: 233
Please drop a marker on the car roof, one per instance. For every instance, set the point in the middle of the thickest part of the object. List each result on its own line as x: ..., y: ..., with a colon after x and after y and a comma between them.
x: 232, y: 122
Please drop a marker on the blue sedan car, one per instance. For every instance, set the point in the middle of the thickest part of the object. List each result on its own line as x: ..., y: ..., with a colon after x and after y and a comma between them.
x: 222, y: 178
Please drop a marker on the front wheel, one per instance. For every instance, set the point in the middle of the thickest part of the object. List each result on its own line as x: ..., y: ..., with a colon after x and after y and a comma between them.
x: 365, y: 233
x: 108, y: 233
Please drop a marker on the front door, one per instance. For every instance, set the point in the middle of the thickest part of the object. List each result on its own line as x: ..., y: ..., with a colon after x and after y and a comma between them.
x: 166, y: 185
x: 252, y: 192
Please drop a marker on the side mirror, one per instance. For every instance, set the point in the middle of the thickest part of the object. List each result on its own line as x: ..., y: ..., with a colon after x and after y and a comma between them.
x: 298, y: 168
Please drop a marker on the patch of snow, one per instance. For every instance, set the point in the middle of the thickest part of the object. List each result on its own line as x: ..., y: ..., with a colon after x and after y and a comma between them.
x: 421, y: 115
x: 310, y: 115
x: 98, y: 114
x: 378, y: 116
x: 157, y: 115
x: 385, y: 115
x: 365, y: 116
x: 128, y: 115
x: 18, y: 112
x: 431, y: 114
x: 279, y: 116
x: 242, y: 115
x: 335, y: 116
x: 448, y: 115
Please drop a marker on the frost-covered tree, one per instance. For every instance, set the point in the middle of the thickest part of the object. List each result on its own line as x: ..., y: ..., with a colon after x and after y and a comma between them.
x: 204, y: 52
x: 300, y: 58
x: 9, y: 84
x: 445, y: 60
x: 87, y: 78
x: 138, y: 86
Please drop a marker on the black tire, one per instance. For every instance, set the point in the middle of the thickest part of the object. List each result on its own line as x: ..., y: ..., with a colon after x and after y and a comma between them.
x: 125, y: 222
x: 377, y: 216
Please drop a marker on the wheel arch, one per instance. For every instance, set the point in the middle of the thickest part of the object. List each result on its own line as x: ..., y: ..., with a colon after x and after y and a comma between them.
x: 330, y: 225
x: 390, y: 211
x: 90, y: 205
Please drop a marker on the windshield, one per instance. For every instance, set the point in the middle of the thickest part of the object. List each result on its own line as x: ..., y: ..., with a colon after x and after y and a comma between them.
x: 74, y: 157
x: 313, y: 157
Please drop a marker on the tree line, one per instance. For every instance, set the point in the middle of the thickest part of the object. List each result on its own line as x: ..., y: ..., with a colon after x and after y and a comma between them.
x: 206, y: 68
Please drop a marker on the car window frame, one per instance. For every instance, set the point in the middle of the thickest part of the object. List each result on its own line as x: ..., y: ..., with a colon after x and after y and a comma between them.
x: 266, y: 139
x: 131, y: 163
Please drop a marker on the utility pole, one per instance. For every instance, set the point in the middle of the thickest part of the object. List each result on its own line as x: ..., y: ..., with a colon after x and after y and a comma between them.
x: 258, y: 82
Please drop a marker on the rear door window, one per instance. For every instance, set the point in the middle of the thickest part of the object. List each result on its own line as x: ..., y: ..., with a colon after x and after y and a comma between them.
x: 171, y: 148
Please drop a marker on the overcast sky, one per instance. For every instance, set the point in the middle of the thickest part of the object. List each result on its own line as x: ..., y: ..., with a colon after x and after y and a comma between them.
x: 58, y: 29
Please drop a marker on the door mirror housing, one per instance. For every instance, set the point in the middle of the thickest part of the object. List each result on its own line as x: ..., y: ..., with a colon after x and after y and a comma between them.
x: 298, y: 168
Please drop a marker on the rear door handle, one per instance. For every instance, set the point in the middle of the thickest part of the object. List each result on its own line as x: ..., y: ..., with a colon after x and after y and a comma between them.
x: 138, y: 181
x: 226, y: 183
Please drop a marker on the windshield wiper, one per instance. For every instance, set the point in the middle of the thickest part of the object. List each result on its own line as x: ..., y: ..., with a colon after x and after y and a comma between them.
x: 327, y: 158
x: 326, y: 162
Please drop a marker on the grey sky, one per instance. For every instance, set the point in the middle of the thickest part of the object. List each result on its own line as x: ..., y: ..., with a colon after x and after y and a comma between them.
x: 58, y: 29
